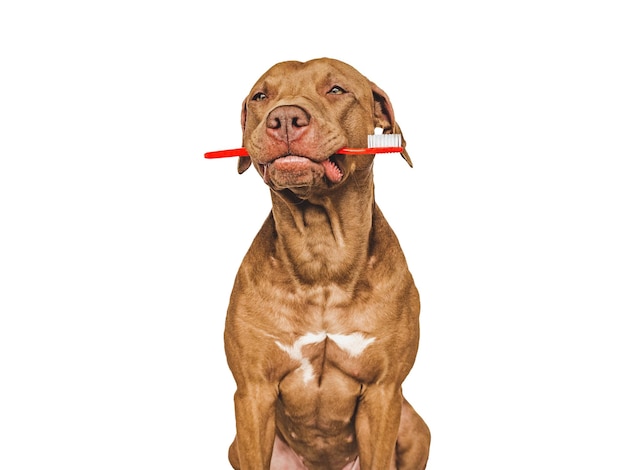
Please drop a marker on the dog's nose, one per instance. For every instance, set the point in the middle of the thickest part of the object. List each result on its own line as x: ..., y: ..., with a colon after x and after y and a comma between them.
x: 287, y: 123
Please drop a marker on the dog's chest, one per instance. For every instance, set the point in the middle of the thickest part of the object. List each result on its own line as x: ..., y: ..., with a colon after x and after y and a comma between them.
x: 324, y: 336
x: 315, y: 353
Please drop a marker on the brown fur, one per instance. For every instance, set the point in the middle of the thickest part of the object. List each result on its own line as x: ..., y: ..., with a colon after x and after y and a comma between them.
x: 325, y: 262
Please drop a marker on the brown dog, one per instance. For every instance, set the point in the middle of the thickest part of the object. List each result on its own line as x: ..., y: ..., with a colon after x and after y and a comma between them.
x: 322, y: 326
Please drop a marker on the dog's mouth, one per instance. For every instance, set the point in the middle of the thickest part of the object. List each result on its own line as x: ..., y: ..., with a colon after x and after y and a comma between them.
x: 298, y: 171
x: 332, y: 171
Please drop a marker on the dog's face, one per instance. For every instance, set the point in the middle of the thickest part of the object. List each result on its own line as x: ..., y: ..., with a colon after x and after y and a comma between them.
x: 298, y: 115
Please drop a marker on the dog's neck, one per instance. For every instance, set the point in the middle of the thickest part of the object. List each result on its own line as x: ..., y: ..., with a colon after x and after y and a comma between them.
x: 326, y: 236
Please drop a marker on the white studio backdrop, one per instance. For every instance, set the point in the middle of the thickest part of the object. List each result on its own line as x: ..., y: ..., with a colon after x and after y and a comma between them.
x: 120, y: 242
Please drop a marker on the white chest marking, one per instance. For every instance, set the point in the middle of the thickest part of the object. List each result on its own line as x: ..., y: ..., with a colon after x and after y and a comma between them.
x: 354, y: 344
x: 295, y: 352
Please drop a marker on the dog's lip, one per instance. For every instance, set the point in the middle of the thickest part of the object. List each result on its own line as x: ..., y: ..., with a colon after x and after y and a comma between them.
x: 332, y: 168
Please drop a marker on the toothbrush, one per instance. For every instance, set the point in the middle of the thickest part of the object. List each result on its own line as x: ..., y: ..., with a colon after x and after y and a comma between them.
x: 379, y: 143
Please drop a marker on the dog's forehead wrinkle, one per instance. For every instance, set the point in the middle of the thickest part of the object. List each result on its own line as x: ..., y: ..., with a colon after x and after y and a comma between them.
x: 310, y: 75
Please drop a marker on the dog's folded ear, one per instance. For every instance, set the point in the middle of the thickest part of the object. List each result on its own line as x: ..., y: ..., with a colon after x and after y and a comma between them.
x: 385, y: 119
x: 404, y: 153
x: 244, y: 162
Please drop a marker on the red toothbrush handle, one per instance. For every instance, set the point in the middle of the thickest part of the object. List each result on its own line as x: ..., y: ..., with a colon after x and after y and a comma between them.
x: 240, y: 152
x: 371, y: 150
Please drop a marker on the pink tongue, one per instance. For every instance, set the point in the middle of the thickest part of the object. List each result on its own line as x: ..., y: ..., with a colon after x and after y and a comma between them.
x: 332, y: 171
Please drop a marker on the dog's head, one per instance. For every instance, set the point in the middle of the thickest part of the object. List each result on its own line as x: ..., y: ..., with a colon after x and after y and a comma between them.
x: 299, y: 114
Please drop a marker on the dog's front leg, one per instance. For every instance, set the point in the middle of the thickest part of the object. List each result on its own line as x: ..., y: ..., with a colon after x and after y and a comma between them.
x: 377, y: 423
x: 255, y: 414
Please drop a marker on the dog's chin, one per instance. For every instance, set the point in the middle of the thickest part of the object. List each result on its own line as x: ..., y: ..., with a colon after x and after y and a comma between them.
x: 296, y: 172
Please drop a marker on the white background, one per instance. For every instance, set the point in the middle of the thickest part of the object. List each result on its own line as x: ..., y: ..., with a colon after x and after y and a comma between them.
x: 120, y: 242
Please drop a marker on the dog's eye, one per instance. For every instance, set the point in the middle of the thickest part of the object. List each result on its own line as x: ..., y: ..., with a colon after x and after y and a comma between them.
x: 336, y: 90
x: 260, y: 96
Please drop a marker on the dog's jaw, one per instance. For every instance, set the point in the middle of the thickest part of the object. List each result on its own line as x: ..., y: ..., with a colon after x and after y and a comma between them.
x: 293, y: 171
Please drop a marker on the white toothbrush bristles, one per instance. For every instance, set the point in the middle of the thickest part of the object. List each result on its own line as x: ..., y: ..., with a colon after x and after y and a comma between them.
x: 384, y: 140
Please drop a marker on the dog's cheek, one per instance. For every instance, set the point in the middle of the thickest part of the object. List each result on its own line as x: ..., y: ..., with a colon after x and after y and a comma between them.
x: 363, y: 162
x: 358, y: 127
x: 256, y: 132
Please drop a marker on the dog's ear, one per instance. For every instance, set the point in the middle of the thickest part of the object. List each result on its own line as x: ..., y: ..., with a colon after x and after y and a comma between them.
x: 385, y: 119
x: 404, y: 153
x: 244, y: 162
